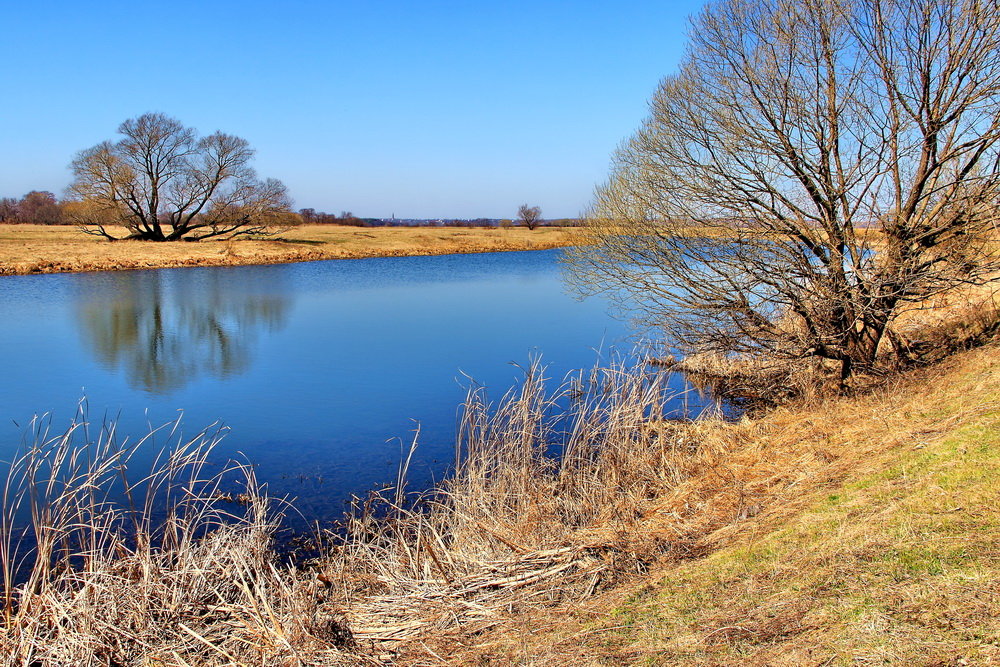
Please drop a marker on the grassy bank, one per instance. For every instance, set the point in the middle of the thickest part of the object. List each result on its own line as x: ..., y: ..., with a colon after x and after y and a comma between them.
x: 859, y: 530
x: 28, y: 249
x: 893, y: 561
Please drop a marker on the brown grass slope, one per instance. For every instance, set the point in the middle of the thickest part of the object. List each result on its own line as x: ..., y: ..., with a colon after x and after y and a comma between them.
x: 858, y: 530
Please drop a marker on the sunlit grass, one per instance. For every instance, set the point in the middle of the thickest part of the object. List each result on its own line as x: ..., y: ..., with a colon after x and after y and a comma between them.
x: 51, y: 249
x: 895, y: 564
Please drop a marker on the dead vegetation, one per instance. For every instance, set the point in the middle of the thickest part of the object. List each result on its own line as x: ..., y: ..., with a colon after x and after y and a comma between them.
x: 543, y: 507
x: 958, y: 320
x: 844, y: 530
x: 104, y: 566
x: 521, y: 551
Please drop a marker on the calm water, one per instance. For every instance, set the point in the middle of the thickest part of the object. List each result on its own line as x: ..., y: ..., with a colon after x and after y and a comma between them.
x: 319, y: 369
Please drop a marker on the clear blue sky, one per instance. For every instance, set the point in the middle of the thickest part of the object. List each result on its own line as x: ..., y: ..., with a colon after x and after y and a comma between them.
x: 423, y: 109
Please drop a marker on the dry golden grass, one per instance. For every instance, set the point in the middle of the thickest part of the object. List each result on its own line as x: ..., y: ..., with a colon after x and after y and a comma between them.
x: 958, y: 319
x: 54, y: 249
x: 838, y: 531
x: 846, y: 531
x: 489, y: 571
x: 517, y: 525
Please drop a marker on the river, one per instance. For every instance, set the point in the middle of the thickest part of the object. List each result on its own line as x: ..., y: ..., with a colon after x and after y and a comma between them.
x: 320, y: 371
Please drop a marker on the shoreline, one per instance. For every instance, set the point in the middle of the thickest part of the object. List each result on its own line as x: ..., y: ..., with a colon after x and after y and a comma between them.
x: 40, y: 249
x: 829, y: 527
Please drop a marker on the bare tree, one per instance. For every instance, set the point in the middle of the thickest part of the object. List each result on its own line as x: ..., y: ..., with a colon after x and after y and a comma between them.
x: 813, y: 170
x: 164, y: 183
x: 39, y: 207
x: 8, y: 210
x: 529, y: 216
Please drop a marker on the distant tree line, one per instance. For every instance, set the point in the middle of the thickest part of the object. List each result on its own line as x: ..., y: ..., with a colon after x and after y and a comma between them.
x: 38, y: 207
x: 311, y: 216
x: 41, y: 207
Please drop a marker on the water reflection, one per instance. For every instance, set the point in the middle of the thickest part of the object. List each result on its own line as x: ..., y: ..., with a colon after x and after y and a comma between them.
x: 318, y: 368
x: 163, y: 329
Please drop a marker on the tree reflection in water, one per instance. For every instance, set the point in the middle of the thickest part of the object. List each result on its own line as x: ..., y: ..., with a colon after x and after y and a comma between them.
x: 165, y: 328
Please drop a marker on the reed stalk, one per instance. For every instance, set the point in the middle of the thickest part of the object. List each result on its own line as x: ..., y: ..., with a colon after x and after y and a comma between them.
x: 102, y: 565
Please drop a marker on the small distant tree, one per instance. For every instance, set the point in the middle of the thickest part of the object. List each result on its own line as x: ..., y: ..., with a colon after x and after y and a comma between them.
x: 529, y: 216
x: 162, y: 182
x: 348, y: 218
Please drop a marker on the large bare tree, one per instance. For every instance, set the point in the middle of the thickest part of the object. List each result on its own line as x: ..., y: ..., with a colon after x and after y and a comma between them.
x: 815, y: 168
x: 161, y: 182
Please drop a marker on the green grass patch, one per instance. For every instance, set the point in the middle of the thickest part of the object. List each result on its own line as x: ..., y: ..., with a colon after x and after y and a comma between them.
x: 894, y: 566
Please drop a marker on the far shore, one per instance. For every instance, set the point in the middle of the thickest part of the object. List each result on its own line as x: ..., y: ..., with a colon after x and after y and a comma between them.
x: 29, y: 249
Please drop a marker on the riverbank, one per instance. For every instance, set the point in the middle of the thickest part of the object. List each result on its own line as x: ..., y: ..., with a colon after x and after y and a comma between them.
x: 846, y: 531
x: 27, y: 249
x: 833, y: 530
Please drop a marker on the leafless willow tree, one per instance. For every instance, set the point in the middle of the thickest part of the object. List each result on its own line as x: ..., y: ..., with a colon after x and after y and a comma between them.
x: 529, y: 216
x: 813, y: 169
x: 161, y: 182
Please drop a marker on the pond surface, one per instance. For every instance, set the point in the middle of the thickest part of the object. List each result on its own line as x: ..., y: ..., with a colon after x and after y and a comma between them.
x: 319, y: 369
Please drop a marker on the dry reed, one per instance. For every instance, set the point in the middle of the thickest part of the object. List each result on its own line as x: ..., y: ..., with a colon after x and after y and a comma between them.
x: 101, y: 568
x: 544, y: 504
x: 554, y: 496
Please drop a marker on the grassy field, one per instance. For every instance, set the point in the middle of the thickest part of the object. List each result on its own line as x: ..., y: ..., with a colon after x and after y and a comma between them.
x: 53, y: 249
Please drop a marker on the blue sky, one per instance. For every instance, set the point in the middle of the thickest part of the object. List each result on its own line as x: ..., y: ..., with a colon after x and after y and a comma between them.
x: 418, y: 109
